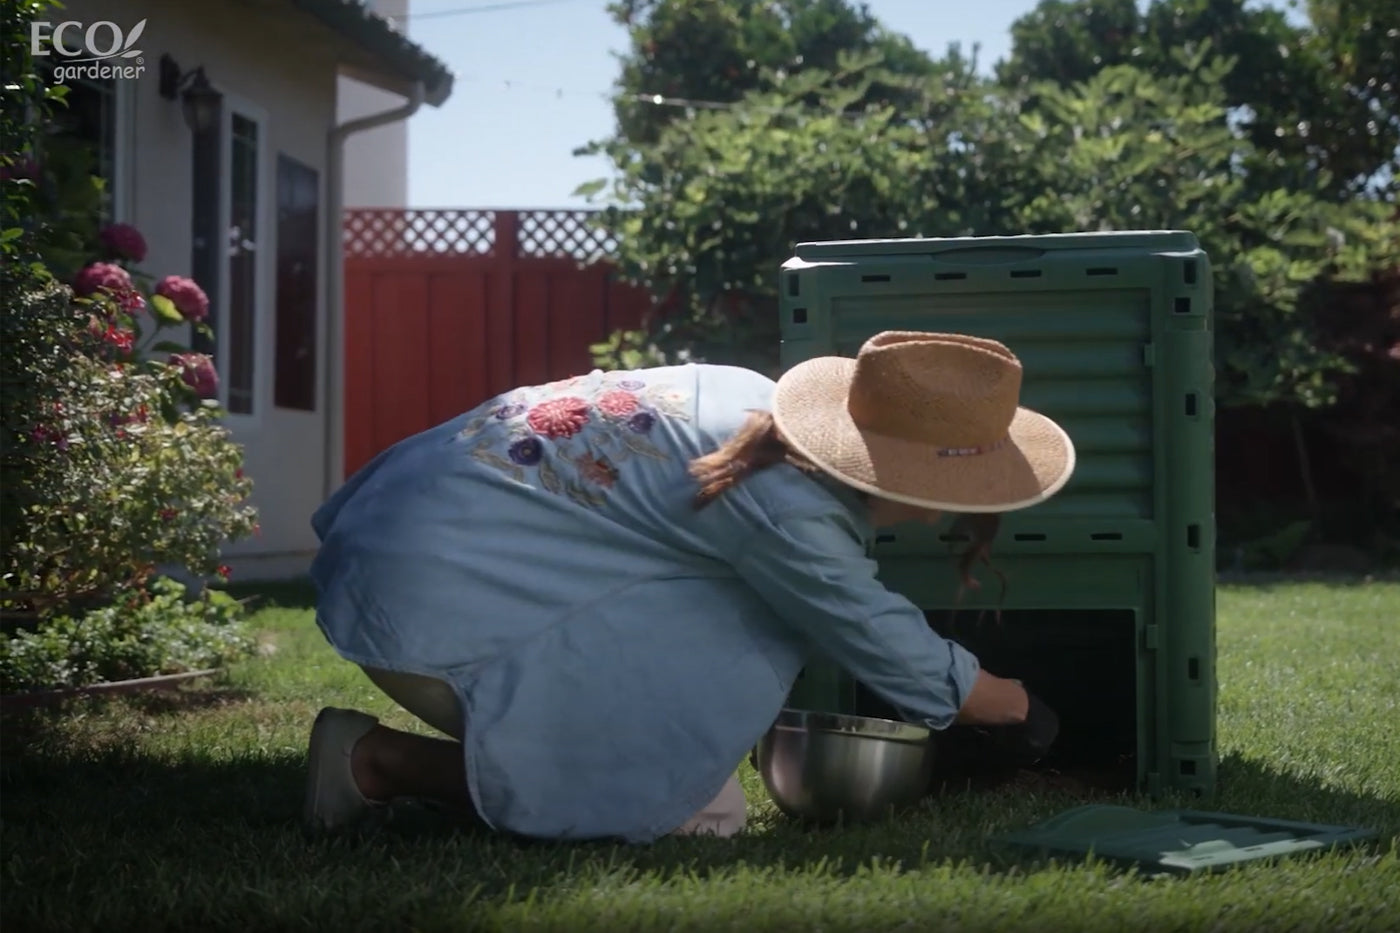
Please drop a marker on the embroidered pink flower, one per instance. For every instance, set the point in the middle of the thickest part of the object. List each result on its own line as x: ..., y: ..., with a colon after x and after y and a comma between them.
x: 617, y: 403
x: 559, y: 417
x: 189, y: 299
x: 197, y: 370
x: 109, y: 279
x: 123, y: 241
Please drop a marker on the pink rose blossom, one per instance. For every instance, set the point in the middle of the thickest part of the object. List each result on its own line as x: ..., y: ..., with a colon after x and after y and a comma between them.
x: 197, y: 370
x: 189, y: 299
x: 123, y: 241
x: 112, y: 280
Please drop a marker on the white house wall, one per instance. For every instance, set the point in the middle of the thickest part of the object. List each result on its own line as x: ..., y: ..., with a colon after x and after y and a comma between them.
x: 376, y: 161
x: 252, y: 55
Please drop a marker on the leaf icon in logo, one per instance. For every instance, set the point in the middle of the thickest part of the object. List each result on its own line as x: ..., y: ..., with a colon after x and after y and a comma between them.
x: 131, y: 54
x: 131, y: 38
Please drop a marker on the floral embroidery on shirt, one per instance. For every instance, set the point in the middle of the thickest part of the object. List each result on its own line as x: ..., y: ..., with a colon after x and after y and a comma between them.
x: 572, y: 435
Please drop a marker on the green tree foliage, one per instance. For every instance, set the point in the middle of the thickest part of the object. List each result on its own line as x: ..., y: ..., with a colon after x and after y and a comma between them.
x: 706, y: 212
x: 1137, y: 151
x: 1318, y: 103
x: 719, y: 50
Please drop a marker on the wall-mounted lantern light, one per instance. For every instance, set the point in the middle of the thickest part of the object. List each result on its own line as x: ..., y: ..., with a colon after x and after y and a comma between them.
x: 199, y: 100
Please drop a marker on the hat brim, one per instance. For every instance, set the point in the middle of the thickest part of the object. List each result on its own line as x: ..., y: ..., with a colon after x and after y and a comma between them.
x: 809, y: 410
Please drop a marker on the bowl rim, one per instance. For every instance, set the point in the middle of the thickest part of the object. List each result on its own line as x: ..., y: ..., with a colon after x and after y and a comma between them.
x: 791, y: 719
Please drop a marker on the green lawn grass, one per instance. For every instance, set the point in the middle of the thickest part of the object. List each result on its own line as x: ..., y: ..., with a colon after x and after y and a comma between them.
x: 180, y: 812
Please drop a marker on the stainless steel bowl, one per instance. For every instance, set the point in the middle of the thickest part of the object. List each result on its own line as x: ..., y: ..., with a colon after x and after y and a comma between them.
x: 823, y: 767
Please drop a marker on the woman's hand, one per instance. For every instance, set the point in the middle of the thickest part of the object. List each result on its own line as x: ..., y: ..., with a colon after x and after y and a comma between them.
x: 1026, y: 727
x: 994, y: 701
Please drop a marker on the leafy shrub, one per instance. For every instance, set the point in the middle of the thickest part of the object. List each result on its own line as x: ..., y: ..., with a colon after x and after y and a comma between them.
x: 157, y: 632
x: 112, y: 457
x: 112, y: 464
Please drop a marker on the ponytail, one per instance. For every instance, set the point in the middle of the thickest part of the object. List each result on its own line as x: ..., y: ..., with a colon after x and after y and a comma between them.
x: 754, y: 447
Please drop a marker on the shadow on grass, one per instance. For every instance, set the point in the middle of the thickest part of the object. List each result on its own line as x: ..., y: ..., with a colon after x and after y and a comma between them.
x: 216, y: 822
x: 282, y: 594
x: 27, y: 728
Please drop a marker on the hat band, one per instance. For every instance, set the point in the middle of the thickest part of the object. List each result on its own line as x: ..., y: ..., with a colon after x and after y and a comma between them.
x: 972, y: 451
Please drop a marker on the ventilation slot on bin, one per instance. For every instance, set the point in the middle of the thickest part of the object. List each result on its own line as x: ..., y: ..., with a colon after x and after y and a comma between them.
x: 949, y: 276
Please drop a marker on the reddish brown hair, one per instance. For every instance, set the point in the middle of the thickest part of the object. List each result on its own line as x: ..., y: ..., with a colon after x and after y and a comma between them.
x: 757, y: 445
x: 980, y: 528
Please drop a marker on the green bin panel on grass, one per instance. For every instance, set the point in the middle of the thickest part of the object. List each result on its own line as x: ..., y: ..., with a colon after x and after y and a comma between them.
x: 1178, y: 841
x: 1114, y: 331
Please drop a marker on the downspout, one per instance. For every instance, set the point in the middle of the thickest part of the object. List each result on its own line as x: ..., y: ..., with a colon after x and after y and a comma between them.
x: 334, y: 382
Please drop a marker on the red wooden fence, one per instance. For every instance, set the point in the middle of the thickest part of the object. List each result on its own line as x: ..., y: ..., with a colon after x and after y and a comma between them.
x: 446, y: 308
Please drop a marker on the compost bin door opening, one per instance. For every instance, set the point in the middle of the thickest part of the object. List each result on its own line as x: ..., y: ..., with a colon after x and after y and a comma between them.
x: 1081, y: 662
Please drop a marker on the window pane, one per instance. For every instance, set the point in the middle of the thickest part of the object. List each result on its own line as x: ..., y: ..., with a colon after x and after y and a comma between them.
x: 242, y: 262
x: 298, y: 200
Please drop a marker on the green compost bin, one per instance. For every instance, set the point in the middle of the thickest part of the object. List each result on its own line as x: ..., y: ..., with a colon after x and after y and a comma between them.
x: 1109, y: 605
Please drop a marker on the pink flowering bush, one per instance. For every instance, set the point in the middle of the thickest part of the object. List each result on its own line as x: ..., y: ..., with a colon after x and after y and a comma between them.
x: 113, y: 468
x: 103, y: 280
x: 186, y: 295
x: 123, y: 241
x: 116, y: 463
x: 197, y: 372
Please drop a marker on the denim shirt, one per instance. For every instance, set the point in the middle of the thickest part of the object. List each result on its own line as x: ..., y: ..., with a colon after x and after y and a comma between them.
x: 616, y: 652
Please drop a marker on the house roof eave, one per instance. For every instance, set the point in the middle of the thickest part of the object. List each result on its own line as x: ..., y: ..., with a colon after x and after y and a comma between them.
x: 398, y: 62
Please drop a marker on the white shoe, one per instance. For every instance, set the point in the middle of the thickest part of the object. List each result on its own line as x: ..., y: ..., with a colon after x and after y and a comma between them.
x: 333, y: 800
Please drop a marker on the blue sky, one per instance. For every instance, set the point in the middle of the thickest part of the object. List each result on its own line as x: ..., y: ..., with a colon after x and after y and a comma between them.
x: 532, y: 83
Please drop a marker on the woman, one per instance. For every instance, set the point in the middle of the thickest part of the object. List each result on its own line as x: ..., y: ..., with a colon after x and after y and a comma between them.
x: 602, y: 589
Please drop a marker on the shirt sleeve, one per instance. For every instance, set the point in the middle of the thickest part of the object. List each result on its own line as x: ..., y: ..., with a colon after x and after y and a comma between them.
x: 814, y: 572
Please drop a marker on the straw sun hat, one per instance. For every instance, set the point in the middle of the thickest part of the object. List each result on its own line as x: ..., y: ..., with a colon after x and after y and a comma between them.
x: 931, y: 420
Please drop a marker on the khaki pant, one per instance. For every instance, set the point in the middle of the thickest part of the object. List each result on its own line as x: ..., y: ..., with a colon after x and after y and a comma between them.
x: 432, y: 701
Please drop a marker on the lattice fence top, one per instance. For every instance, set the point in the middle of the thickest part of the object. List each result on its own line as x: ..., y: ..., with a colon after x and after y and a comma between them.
x: 568, y: 233
x: 391, y: 232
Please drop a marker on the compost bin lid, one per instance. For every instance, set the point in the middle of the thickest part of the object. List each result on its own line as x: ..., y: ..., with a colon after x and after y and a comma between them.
x: 1178, y: 841
x: 966, y: 247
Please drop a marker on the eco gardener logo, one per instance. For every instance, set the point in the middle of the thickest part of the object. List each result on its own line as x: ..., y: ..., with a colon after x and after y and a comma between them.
x: 92, y: 51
